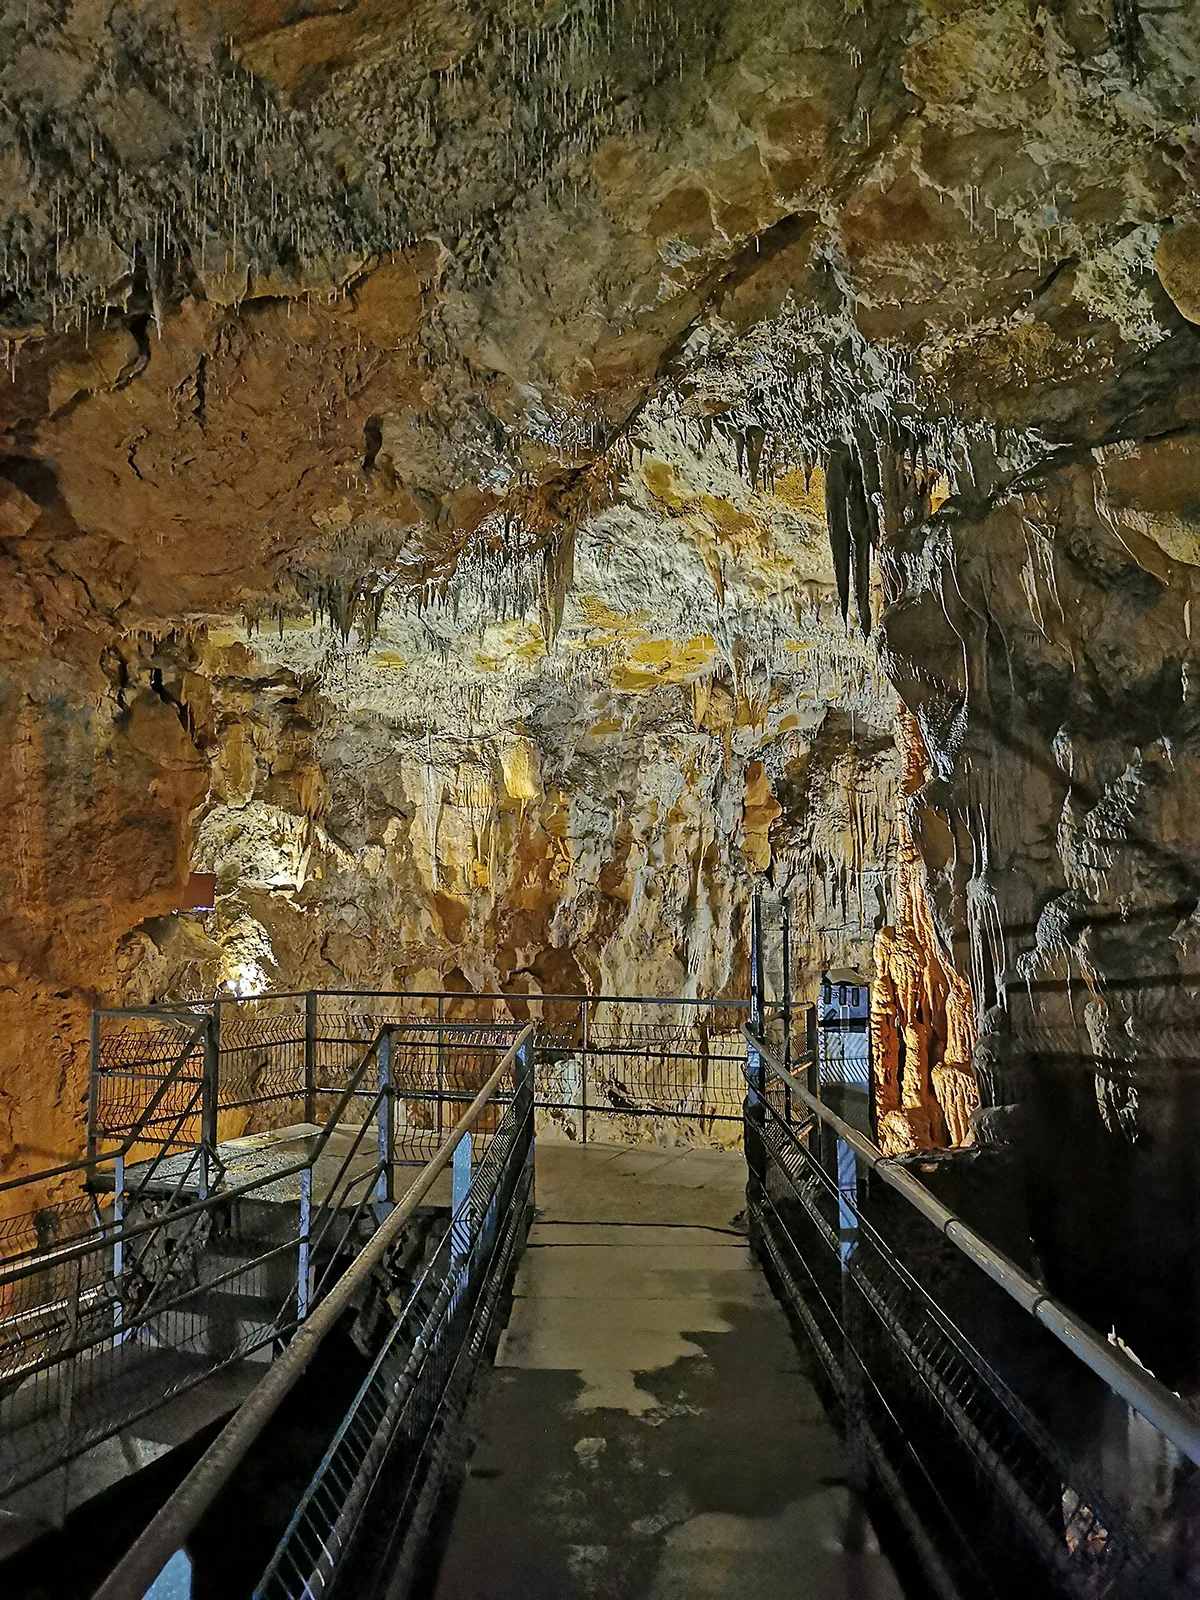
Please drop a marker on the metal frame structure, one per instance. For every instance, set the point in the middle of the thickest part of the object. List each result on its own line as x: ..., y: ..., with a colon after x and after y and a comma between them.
x: 168, y: 1532
x: 996, y: 1432
x: 603, y: 1063
x: 145, y: 1266
x: 674, y: 1065
x: 1001, y: 1433
x: 172, y: 1262
x: 369, y: 1502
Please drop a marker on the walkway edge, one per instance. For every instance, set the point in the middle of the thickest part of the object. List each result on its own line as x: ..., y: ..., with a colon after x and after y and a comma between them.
x: 169, y: 1529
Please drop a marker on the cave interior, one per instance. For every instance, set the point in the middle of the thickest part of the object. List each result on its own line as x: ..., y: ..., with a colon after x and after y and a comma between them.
x: 490, y: 488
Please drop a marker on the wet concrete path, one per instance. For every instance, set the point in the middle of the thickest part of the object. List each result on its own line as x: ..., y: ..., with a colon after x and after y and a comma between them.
x: 649, y: 1431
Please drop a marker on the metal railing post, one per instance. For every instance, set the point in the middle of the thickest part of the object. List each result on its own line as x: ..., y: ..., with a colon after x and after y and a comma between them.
x: 756, y: 962
x: 465, y: 1224
x: 524, y: 1075
x: 441, y: 1063
x: 524, y: 1066
x: 210, y: 1090
x: 462, y: 1224
x: 786, y: 940
x: 812, y: 1070
x: 303, y: 1264
x: 583, y: 1075
x: 848, y: 1242
x: 310, y: 1056
x: 174, y: 1582
x: 753, y: 1131
x: 93, y: 1088
x: 66, y: 1393
x: 119, y: 1247
x: 386, y: 1121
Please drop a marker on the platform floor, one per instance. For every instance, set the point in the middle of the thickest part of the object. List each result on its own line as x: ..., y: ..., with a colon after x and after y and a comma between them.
x: 345, y: 1162
x: 649, y: 1430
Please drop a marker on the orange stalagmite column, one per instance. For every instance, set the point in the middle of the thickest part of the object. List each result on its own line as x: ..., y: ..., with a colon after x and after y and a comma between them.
x: 922, y: 1011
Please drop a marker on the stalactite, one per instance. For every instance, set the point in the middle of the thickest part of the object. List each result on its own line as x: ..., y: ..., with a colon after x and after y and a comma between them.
x: 837, y: 480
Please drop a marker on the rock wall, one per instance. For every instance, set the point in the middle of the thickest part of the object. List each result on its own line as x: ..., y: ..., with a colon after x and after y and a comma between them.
x: 470, y: 790
x: 1048, y: 656
x: 448, y: 465
x: 99, y: 774
x: 554, y: 767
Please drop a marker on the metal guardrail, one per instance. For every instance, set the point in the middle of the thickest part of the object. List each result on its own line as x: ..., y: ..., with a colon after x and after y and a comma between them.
x: 170, y: 1528
x: 369, y: 1500
x: 1007, y: 1438
x: 178, y: 1265
x: 604, y: 1063
x: 171, y: 1101
x: 102, y: 1328
x: 115, y: 1251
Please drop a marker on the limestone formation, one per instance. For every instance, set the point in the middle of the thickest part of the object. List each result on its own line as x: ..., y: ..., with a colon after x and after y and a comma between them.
x: 922, y: 1011
x: 481, y: 480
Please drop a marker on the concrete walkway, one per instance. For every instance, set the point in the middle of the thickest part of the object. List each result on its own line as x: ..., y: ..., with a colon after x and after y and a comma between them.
x: 648, y: 1432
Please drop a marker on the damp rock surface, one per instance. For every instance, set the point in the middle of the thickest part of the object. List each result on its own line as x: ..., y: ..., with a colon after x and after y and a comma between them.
x: 481, y: 481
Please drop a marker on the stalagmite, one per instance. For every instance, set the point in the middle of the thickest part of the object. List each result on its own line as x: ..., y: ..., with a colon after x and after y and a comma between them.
x: 922, y: 1011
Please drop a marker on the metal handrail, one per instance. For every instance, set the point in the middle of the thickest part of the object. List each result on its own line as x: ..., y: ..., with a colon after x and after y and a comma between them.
x: 150, y: 1309
x: 167, y: 1297
x: 169, y: 1529
x: 1151, y: 1399
x: 23, y: 1266
x: 739, y: 1004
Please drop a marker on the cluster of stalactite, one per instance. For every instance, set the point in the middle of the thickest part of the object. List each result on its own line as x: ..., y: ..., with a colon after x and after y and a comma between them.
x: 922, y: 1010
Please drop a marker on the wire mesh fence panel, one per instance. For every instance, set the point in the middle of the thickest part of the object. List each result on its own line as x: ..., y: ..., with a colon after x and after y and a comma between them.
x: 1012, y: 1465
x: 147, y: 1076
x: 437, y: 1073
x: 261, y: 1071
x: 629, y: 1071
x: 344, y: 1024
x: 46, y: 1227
x: 142, y: 1289
x: 98, y: 1334
x: 310, y: 1103
x: 392, y: 1442
x: 435, y: 1068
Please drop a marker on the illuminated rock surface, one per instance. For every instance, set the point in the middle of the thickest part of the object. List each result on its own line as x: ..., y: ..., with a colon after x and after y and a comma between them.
x: 436, y: 455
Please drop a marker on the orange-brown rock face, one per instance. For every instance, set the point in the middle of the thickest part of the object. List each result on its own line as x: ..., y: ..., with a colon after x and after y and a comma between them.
x: 922, y: 1010
x: 450, y: 457
x: 1048, y: 654
x: 99, y: 775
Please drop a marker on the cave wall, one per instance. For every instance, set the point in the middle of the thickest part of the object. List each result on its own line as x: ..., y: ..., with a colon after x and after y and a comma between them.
x: 1047, y: 654
x: 551, y: 766
x: 555, y: 793
x: 98, y: 775
x: 440, y: 454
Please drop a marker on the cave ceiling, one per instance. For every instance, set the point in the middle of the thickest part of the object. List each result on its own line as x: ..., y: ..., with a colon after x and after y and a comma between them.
x: 367, y: 289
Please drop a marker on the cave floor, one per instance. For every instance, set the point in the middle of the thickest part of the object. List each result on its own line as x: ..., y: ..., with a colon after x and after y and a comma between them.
x: 649, y: 1428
